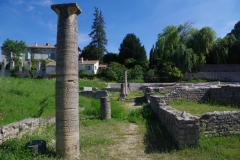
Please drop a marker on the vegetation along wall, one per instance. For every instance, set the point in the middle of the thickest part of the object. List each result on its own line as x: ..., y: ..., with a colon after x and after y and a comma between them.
x: 183, y: 127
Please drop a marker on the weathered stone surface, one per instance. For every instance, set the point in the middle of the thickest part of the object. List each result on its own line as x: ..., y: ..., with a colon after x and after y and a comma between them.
x: 18, y: 129
x: 220, y: 123
x: 67, y: 121
x: 105, y: 108
x: 183, y: 129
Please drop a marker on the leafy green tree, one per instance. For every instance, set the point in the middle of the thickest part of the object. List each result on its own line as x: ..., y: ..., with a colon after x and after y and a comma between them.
x: 184, y: 58
x: 236, y: 31
x: 201, y: 42
x: 219, y: 51
x: 152, y: 58
x: 98, y: 35
x: 110, y: 57
x: 136, y: 73
x: 168, y: 72
x: 13, y: 47
x: 89, y: 52
x: 132, y: 53
x: 234, y: 53
x: 113, y: 73
x: 234, y: 49
x: 151, y: 76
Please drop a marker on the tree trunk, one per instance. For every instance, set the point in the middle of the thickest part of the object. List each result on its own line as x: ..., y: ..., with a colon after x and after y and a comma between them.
x: 67, y: 118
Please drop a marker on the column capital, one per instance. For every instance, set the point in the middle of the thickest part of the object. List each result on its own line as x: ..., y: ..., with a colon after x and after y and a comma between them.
x: 70, y: 7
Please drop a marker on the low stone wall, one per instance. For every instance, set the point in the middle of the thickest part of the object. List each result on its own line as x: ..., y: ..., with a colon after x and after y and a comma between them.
x: 220, y: 123
x: 92, y: 94
x: 227, y: 95
x: 190, y: 94
x: 183, y: 128
x: 18, y: 129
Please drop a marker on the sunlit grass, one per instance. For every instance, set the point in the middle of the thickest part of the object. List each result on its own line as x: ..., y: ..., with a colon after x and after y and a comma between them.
x: 198, y: 109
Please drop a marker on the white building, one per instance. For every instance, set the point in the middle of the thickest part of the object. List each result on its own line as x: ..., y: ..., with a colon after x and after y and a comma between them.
x: 35, y: 52
x: 89, y: 66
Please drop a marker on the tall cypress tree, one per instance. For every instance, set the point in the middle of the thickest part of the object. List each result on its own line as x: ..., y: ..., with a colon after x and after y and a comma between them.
x: 98, y: 35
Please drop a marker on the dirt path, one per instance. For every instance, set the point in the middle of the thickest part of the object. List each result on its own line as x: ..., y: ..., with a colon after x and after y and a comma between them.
x: 131, y: 145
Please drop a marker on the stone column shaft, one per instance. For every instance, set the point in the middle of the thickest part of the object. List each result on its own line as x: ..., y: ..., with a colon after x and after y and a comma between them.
x: 20, y: 66
x: 12, y: 65
x: 105, y: 108
x: 67, y: 118
x: 125, y: 82
x: 29, y: 65
x: 3, y: 68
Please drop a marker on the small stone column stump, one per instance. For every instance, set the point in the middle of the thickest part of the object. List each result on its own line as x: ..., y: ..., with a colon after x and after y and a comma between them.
x: 105, y: 109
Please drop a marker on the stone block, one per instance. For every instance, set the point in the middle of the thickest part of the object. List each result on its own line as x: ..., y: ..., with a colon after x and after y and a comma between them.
x: 87, y: 89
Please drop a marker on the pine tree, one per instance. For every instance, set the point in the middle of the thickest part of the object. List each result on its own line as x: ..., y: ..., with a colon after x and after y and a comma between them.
x: 98, y: 35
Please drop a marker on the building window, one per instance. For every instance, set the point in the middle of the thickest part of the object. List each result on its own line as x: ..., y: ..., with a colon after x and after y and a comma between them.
x: 52, y: 56
x: 87, y: 67
x: 27, y: 56
x: 36, y: 56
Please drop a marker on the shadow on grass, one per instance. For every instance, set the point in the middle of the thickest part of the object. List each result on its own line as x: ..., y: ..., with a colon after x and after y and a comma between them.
x: 156, y: 139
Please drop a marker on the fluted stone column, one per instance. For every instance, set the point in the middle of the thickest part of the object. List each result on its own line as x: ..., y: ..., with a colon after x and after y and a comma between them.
x: 3, y: 68
x: 67, y: 119
x: 29, y: 65
x: 125, y: 82
x: 12, y: 65
x: 20, y: 66
x: 38, y: 67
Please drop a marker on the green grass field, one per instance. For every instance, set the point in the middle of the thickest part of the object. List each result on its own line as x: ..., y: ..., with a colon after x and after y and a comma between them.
x: 131, y: 133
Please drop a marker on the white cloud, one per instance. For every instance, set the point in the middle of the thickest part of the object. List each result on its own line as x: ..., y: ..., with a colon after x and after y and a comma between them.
x: 16, y: 1
x: 30, y: 8
x: 50, y: 25
x: 42, y: 2
x: 225, y: 29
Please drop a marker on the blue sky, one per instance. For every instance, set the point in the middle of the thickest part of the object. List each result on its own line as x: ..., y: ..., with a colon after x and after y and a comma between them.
x: 33, y: 21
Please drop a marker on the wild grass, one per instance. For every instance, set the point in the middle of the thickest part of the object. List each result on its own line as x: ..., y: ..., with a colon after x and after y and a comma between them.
x: 92, y: 83
x: 198, y: 109
x: 21, y: 98
x: 100, y: 139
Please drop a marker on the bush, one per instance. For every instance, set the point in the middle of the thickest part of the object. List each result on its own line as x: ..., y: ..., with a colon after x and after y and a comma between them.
x: 136, y: 74
x: 151, y: 76
x: 81, y: 74
x: 113, y: 73
x: 168, y: 72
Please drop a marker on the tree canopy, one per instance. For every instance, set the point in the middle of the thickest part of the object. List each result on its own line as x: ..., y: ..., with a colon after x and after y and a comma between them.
x: 132, y: 53
x: 13, y: 47
x: 236, y: 30
x: 110, y: 57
